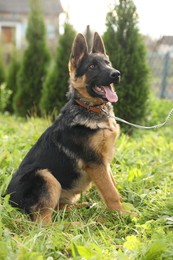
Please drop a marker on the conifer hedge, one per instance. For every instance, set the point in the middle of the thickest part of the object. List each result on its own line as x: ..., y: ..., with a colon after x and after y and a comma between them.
x: 34, y: 65
x: 126, y: 49
x: 2, y: 70
x: 11, y: 80
x: 56, y: 83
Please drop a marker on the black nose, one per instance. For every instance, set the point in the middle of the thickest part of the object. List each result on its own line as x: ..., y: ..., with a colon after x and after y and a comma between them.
x: 115, y: 74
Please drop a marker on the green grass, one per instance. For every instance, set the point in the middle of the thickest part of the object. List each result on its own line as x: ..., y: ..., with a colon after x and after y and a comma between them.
x: 143, y: 170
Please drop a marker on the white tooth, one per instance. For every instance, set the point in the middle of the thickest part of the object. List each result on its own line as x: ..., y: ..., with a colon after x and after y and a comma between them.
x: 99, y: 89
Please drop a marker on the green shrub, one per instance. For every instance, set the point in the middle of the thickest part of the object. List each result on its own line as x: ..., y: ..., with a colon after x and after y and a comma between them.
x: 56, y: 83
x: 12, y: 80
x: 127, y: 53
x: 33, y: 68
x: 5, y: 94
x: 2, y: 71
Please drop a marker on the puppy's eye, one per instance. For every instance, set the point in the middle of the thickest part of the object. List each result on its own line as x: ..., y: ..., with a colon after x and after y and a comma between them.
x: 107, y: 62
x: 92, y: 66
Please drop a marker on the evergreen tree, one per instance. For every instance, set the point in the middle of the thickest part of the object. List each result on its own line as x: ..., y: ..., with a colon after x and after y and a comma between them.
x: 34, y: 64
x: 88, y: 35
x: 127, y: 53
x: 56, y: 84
x: 12, y: 79
x: 2, y: 71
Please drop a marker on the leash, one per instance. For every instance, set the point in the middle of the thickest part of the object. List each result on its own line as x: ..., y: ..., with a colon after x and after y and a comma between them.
x: 99, y: 109
x: 140, y: 126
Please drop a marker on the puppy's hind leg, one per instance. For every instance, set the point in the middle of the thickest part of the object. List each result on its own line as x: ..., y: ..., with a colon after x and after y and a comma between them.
x: 48, y: 200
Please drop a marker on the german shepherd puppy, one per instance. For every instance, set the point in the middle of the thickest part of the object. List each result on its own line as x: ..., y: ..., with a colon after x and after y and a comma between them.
x: 77, y: 149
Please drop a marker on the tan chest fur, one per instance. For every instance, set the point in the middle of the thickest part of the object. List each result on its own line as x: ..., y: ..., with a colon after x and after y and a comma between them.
x: 103, y: 141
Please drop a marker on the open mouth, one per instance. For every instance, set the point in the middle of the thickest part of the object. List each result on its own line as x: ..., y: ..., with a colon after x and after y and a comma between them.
x: 106, y: 92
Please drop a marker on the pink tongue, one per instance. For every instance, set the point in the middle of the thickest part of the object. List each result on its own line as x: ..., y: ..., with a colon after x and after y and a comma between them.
x: 110, y: 94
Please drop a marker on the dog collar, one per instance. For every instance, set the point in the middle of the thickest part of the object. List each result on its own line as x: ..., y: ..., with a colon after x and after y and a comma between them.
x: 96, y: 109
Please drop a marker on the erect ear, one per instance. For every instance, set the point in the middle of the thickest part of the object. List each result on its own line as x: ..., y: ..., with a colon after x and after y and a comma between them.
x: 79, y: 49
x: 98, y: 45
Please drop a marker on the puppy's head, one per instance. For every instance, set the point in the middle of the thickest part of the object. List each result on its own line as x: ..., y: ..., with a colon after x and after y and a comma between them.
x: 92, y: 74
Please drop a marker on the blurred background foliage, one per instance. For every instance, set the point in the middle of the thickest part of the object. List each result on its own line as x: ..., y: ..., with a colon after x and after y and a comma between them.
x: 36, y: 76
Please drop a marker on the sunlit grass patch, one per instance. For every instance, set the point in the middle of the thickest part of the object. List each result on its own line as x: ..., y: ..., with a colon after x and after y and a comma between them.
x: 143, y: 170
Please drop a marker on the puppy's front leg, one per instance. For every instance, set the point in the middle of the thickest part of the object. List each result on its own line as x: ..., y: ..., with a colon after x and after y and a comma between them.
x: 101, y: 176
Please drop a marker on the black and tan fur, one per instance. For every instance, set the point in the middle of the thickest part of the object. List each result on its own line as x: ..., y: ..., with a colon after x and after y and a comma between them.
x: 77, y: 149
